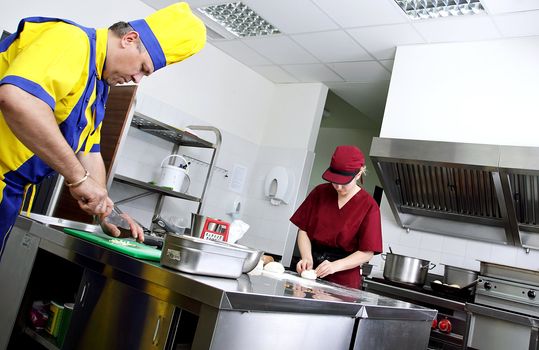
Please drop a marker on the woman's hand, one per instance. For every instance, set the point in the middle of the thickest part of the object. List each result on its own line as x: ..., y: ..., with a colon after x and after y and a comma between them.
x: 304, y: 264
x: 327, y: 268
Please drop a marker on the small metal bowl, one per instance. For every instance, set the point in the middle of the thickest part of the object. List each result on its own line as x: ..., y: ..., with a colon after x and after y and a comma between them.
x: 252, y: 260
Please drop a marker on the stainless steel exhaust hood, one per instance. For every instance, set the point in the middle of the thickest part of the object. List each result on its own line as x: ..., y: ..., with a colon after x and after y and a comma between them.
x: 475, y: 191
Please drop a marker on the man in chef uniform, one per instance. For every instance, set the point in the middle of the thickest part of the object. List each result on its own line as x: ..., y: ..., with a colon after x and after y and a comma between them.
x: 339, y: 222
x: 54, y: 81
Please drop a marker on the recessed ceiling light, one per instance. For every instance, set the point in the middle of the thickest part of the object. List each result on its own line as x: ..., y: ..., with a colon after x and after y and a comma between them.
x: 239, y: 19
x: 424, y: 9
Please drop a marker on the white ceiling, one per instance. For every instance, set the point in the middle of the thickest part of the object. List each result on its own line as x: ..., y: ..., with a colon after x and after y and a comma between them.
x: 349, y: 45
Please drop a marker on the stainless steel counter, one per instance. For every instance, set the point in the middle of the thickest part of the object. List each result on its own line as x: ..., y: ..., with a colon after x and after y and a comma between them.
x: 303, y: 305
x: 263, y: 292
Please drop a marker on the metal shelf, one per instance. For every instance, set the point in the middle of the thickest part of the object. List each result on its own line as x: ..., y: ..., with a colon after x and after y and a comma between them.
x: 42, y: 338
x: 179, y: 138
x: 152, y: 188
x: 167, y: 132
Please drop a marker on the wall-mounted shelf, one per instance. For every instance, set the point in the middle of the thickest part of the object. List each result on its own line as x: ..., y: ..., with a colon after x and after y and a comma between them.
x: 152, y: 188
x: 167, y: 132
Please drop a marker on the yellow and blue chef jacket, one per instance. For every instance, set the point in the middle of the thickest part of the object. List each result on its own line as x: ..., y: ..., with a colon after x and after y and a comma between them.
x: 59, y: 62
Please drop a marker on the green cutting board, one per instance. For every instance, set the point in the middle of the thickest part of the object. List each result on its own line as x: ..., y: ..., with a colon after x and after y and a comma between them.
x: 134, y: 249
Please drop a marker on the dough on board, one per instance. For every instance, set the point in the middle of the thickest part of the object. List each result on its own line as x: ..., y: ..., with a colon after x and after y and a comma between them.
x: 309, y: 274
x: 274, y: 267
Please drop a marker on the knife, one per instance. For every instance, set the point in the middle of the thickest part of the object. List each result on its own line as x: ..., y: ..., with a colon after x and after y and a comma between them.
x: 116, y: 219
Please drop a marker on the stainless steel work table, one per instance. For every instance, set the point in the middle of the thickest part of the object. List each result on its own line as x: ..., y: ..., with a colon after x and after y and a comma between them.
x: 262, y: 310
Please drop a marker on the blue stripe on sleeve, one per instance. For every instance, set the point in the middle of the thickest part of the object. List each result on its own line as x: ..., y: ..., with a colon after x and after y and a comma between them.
x: 31, y: 88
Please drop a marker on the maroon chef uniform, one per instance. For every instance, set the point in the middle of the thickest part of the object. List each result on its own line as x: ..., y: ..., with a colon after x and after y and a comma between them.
x: 336, y: 233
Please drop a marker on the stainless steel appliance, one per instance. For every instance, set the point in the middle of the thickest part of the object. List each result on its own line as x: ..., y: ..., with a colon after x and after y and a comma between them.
x: 450, y: 306
x: 505, y: 301
x: 474, y: 191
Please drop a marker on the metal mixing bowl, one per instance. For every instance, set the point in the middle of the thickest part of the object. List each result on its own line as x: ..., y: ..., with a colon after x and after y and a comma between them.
x: 252, y: 260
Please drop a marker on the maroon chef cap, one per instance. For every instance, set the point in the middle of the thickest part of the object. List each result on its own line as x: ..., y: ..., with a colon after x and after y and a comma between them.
x: 346, y: 163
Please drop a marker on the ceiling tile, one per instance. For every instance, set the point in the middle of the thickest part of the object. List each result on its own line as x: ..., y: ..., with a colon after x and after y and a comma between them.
x: 335, y: 46
x: 381, y: 41
x: 241, y: 52
x: 308, y: 73
x: 297, y: 16
x: 361, y: 71
x: 451, y: 29
x: 519, y: 24
x: 359, y: 13
x: 275, y: 74
x: 504, y: 6
x: 280, y: 49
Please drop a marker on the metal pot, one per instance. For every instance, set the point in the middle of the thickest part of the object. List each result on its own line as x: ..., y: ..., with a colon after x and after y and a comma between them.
x: 405, y: 269
x: 459, y: 276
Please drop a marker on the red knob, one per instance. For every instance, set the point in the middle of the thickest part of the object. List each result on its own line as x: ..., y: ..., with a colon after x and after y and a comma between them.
x: 434, y: 324
x: 444, y: 325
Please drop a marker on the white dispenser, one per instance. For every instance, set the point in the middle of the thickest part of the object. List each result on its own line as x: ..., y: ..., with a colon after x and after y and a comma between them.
x: 278, y: 185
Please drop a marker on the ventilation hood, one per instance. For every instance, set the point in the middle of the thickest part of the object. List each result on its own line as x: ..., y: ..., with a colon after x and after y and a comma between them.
x: 480, y: 192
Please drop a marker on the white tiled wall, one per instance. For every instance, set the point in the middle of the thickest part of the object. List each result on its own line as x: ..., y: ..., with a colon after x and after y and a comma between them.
x: 271, y: 228
x: 442, y: 250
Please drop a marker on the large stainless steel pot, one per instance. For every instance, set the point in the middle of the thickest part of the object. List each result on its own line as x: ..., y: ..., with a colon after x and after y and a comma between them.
x: 405, y: 269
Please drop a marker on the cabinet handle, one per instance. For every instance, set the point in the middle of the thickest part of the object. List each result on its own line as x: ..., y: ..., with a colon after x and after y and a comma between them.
x: 155, y: 339
x: 83, y: 294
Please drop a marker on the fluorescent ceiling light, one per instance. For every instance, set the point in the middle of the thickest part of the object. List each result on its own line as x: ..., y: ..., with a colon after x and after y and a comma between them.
x: 239, y: 19
x: 424, y: 9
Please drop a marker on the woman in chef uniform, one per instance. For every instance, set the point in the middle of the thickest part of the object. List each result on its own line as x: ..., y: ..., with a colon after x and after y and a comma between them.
x: 339, y: 222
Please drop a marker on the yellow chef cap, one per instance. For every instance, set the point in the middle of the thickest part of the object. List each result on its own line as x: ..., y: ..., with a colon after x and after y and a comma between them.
x: 171, y: 34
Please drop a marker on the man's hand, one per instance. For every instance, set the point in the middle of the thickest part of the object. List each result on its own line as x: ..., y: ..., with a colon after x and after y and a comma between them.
x: 92, y: 197
x: 110, y: 229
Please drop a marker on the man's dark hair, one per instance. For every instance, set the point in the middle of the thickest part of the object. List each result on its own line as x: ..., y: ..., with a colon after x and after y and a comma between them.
x: 122, y: 28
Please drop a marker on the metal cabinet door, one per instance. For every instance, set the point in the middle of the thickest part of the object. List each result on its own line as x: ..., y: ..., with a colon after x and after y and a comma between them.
x: 500, y: 330
x: 112, y: 315
x: 15, y: 269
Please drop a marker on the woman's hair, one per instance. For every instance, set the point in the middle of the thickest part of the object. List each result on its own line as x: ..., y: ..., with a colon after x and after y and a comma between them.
x: 122, y: 28
x: 363, y: 172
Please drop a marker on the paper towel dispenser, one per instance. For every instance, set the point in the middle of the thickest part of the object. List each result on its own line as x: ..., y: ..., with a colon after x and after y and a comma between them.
x: 278, y: 185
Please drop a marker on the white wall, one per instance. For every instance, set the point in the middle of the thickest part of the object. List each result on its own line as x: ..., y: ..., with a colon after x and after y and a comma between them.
x: 480, y: 92
x: 216, y: 89
x: 329, y: 138
x: 209, y: 88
